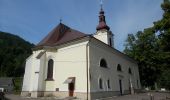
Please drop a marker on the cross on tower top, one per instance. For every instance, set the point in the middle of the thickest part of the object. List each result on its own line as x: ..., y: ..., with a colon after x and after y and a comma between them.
x: 101, y: 4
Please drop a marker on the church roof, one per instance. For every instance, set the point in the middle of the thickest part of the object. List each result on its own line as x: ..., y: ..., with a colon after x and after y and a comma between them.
x: 59, y: 35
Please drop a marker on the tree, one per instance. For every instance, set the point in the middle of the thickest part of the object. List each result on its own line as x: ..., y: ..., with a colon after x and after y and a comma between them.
x: 13, y: 52
x: 141, y: 48
x: 163, y: 28
x: 151, y: 48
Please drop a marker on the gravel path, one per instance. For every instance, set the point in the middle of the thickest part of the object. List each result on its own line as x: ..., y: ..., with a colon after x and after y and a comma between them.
x: 141, y: 96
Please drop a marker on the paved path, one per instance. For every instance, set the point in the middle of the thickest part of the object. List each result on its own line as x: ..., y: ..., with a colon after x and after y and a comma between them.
x: 141, y: 96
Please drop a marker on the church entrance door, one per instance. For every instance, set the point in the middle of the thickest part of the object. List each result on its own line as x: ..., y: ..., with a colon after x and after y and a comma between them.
x: 71, y: 85
x: 71, y: 89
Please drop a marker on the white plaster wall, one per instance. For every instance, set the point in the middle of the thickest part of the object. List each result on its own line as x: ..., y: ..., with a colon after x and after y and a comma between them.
x: 104, y: 36
x: 27, y: 76
x: 137, y: 77
x: 69, y: 61
x: 41, y: 79
x: 31, y: 79
x: 97, y: 51
x: 35, y: 75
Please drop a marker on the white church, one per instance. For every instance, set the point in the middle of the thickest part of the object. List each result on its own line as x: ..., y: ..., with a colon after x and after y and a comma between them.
x: 69, y: 63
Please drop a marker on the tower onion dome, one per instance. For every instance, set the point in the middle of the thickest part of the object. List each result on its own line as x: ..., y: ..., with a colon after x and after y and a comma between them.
x: 102, y: 22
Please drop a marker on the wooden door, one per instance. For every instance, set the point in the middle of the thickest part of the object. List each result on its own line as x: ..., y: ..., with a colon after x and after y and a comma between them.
x: 71, y: 89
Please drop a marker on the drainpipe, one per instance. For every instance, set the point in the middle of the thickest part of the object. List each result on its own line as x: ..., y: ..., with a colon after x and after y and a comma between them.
x: 87, y: 68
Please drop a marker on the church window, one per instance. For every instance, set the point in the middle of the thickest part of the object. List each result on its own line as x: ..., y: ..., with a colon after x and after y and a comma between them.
x: 100, y: 83
x: 108, y: 84
x: 137, y: 84
x: 119, y: 67
x: 110, y: 41
x: 50, y: 70
x: 103, y: 63
x: 90, y: 77
x: 130, y: 71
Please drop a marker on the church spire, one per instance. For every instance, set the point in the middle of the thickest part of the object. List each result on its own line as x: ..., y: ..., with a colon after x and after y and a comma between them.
x: 102, y: 22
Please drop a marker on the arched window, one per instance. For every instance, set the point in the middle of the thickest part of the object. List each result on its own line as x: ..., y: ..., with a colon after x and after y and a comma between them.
x: 103, y: 63
x: 130, y: 71
x: 100, y: 84
x: 108, y: 84
x: 50, y: 70
x: 119, y: 67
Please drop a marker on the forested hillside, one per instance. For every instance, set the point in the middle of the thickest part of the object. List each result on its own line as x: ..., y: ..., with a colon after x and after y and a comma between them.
x: 151, y: 48
x: 13, y: 53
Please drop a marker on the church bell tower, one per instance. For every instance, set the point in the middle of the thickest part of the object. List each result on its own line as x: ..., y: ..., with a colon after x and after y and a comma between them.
x: 103, y: 31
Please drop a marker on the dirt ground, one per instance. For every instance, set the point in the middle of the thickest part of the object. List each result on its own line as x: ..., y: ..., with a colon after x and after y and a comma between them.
x: 141, y: 96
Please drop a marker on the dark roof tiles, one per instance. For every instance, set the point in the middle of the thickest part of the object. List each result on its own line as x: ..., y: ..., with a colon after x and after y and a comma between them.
x: 59, y: 35
x: 40, y: 55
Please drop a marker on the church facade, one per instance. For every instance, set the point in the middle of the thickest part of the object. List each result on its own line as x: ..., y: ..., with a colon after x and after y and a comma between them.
x: 69, y: 63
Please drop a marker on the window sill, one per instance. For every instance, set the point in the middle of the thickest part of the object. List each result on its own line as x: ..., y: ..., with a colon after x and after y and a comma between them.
x: 104, y: 67
x: 49, y: 79
x: 120, y: 71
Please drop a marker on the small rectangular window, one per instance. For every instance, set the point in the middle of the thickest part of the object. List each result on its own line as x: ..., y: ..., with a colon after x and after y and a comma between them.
x: 57, y: 89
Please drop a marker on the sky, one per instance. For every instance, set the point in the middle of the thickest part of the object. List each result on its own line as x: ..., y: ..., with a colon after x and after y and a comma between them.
x: 34, y: 19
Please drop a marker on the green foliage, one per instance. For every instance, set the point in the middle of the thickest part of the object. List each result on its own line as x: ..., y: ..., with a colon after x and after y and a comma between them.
x: 13, y: 52
x: 141, y: 48
x: 18, y: 84
x: 164, y: 80
x: 151, y: 48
